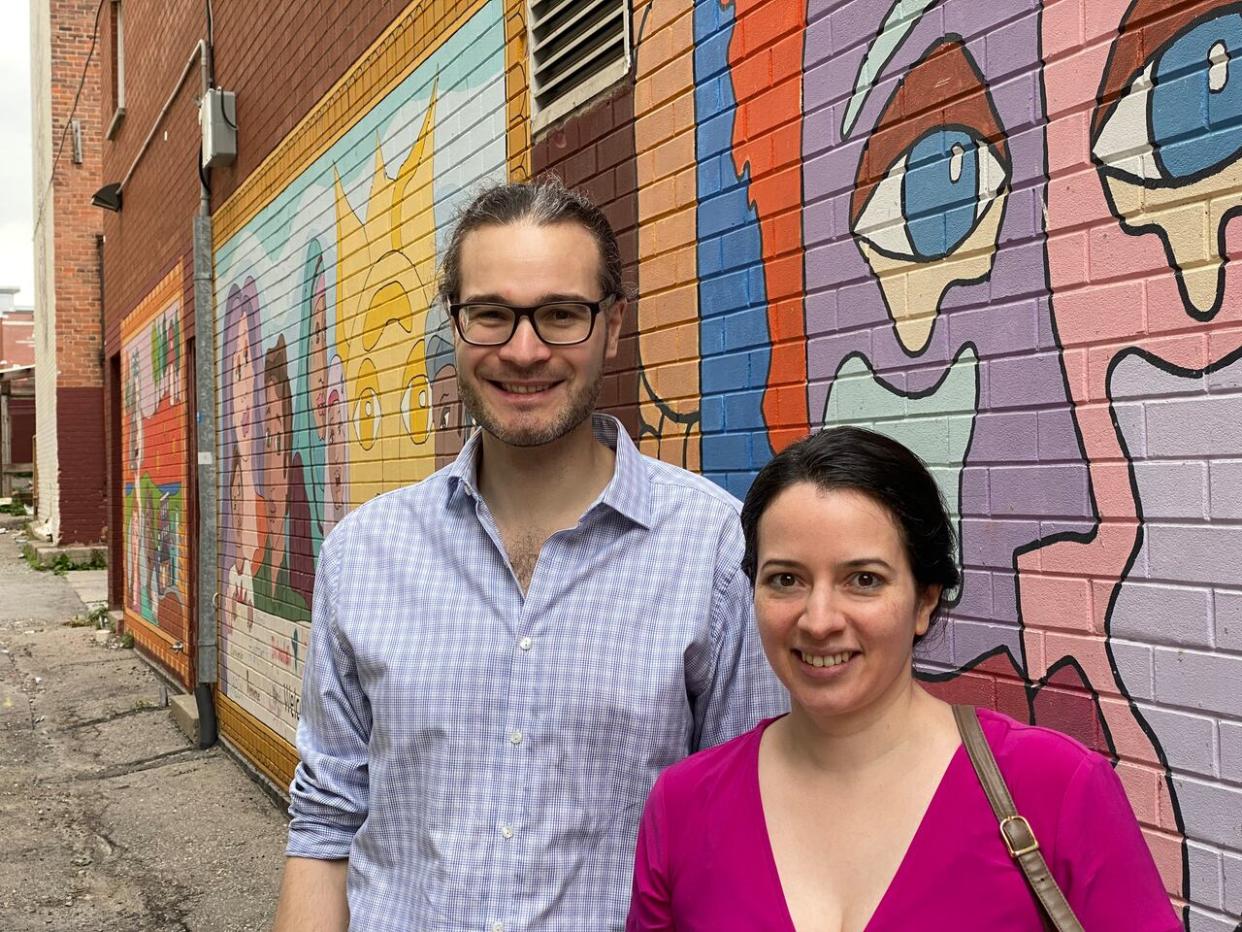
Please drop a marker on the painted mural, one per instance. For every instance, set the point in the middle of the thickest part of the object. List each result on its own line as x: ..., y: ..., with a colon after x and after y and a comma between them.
x: 154, y: 471
x: 1000, y: 233
x: 335, y: 363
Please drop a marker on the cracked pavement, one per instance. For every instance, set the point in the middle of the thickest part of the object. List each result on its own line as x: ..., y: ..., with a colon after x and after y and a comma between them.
x: 111, y: 820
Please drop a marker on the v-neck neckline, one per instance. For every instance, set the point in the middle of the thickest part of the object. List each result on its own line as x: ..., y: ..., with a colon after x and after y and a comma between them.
x: 769, y: 856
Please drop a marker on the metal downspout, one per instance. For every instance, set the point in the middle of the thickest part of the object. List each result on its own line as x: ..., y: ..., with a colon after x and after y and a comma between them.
x: 206, y: 647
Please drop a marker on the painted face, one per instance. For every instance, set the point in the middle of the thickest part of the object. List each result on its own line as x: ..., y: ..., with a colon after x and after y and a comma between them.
x: 448, y: 416
x: 319, y: 352
x: 335, y: 447
x: 1166, y: 141
x: 525, y: 392
x: 241, y: 371
x: 837, y: 605
x: 385, y: 287
x: 275, y: 454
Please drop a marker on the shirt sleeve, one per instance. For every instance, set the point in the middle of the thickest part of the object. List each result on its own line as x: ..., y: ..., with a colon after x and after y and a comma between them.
x: 329, y: 793
x: 742, y: 689
x: 651, y: 903
x: 1112, y: 880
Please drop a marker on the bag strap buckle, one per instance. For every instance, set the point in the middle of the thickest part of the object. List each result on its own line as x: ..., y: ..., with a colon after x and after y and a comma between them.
x: 1019, y: 838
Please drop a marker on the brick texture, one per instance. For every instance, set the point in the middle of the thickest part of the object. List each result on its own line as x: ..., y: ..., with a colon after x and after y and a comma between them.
x: 930, y: 225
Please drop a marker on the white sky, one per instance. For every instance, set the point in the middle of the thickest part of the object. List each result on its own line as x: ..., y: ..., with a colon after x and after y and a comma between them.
x: 16, y: 198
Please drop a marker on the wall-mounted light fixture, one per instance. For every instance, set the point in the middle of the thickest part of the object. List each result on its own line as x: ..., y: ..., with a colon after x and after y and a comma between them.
x: 108, y: 197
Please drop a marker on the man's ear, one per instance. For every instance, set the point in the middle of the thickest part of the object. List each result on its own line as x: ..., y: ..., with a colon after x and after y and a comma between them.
x: 614, y: 316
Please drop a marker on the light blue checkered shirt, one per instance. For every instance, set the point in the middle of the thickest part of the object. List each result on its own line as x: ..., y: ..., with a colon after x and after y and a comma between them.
x: 482, y: 758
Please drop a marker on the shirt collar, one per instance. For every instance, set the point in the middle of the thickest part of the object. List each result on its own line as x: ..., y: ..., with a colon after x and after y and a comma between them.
x: 627, y: 492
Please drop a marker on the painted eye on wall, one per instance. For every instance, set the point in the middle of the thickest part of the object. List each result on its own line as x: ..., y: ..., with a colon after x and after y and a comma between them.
x: 1179, y: 119
x: 367, y: 418
x: 416, y: 408
x: 934, y: 196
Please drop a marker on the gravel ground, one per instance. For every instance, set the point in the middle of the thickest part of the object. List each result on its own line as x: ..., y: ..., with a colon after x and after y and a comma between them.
x: 111, y: 821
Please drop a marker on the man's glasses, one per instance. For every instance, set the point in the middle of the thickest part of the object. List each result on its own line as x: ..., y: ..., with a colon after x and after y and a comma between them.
x: 558, y: 323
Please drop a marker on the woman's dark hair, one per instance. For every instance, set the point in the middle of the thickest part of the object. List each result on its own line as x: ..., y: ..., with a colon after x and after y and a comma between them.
x: 863, y: 461
x: 542, y: 202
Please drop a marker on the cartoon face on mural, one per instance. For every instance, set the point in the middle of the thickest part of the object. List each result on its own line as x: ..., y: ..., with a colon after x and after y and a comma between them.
x: 154, y: 468
x: 336, y: 446
x: 276, y: 433
x: 385, y: 287
x: 1151, y: 348
x: 924, y: 275
x: 325, y: 283
x: 318, y: 362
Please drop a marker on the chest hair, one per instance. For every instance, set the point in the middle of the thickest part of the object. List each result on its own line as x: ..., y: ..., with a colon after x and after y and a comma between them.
x: 523, y: 548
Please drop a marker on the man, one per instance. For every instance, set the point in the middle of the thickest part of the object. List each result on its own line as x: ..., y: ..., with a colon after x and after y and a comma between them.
x: 506, y: 654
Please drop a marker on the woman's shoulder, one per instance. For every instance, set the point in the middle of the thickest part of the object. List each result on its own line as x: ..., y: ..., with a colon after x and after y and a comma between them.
x: 1035, y: 755
x: 702, y: 777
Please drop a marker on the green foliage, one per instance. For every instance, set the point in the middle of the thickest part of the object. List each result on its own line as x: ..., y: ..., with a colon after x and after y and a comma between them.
x: 14, y: 508
x: 100, y: 617
x: 127, y: 641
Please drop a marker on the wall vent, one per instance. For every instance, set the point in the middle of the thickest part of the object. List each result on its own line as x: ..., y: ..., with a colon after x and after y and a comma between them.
x: 578, y: 48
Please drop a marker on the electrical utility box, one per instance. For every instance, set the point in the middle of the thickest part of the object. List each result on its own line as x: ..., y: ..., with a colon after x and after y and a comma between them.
x: 217, y: 116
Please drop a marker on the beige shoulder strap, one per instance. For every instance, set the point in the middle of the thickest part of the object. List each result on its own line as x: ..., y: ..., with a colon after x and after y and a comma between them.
x: 1014, y: 829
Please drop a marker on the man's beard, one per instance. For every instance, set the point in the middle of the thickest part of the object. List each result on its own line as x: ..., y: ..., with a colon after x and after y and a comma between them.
x: 578, y: 408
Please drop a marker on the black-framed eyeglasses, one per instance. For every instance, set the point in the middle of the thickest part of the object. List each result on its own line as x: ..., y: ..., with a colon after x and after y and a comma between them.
x: 557, y: 323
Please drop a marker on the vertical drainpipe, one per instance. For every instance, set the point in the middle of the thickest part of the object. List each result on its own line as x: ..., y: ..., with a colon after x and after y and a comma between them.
x: 206, y: 648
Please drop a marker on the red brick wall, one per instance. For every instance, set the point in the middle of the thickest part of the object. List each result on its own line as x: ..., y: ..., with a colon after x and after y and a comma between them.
x: 256, y: 45
x: 16, y: 341
x: 22, y: 415
x: 76, y: 222
x: 83, y: 516
x: 76, y: 226
x: 594, y: 151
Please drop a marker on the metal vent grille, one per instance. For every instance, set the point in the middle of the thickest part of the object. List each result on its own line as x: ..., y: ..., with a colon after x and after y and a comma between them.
x: 578, y: 48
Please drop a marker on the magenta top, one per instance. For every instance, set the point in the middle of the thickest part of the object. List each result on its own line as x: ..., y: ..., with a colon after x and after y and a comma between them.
x: 704, y: 861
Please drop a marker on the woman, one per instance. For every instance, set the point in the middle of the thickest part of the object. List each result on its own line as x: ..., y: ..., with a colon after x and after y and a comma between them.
x: 860, y: 808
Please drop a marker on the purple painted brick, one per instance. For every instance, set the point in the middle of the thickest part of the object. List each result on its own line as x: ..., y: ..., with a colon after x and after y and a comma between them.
x: 1225, y: 485
x: 1005, y: 437
x: 1199, y: 680
x: 821, y: 349
x: 1025, y: 381
x: 1058, y: 440
x: 1047, y: 490
x: 1158, y: 613
x: 1221, y: 805
x: 819, y: 223
x: 1215, y: 433
x: 1131, y: 419
x: 1204, y: 554
x: 1206, y: 874
x: 1009, y: 47
x: 1232, y: 864
x: 972, y: 19
x: 1230, y: 737
x: 821, y: 313
x: 1010, y: 324
x: 1203, y: 921
x: 1188, y: 740
x: 971, y: 640
x: 976, y: 499
x: 1018, y: 272
x: 1172, y: 490
x: 1228, y: 616
x: 1136, y: 666
x: 1023, y: 216
x: 989, y: 542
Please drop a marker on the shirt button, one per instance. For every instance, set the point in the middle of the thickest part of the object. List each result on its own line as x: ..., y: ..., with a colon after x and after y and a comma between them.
x: 515, y: 738
x: 506, y: 831
x: 525, y: 643
x: 498, y: 926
